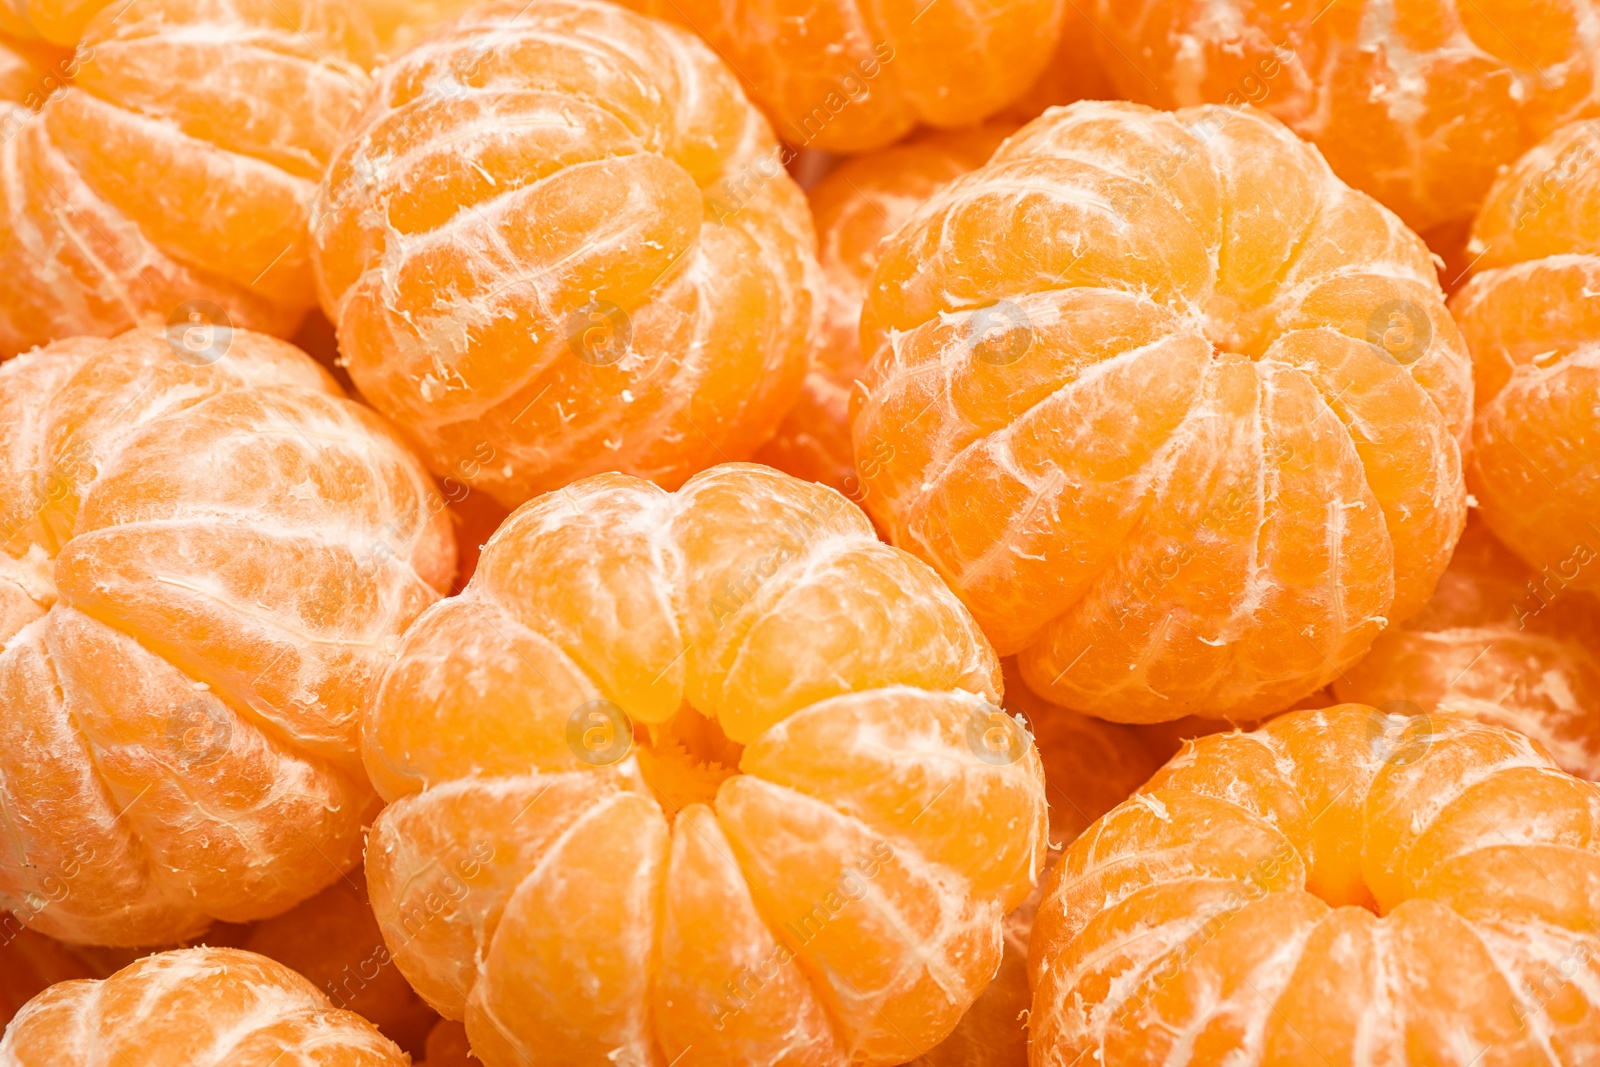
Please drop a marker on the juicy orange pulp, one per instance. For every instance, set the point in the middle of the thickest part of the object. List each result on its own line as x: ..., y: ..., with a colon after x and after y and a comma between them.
x: 560, y: 241
x: 856, y: 205
x: 60, y: 22
x: 713, y: 776
x: 1174, y: 411
x: 208, y: 556
x: 236, y: 104
x: 194, y: 1006
x: 1316, y: 891
x: 846, y: 76
x: 1418, y: 103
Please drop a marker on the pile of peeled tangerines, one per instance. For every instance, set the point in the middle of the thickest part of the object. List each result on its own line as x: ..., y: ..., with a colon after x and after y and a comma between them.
x: 967, y: 533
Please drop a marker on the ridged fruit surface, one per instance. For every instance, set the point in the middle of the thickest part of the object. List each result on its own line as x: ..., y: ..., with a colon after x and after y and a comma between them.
x: 196, y: 1007
x: 172, y: 179
x: 206, y: 567
x: 703, y: 777
x: 848, y: 76
x: 1174, y: 411
x: 530, y: 272
x: 1340, y: 886
x: 1532, y: 322
x: 1418, y: 103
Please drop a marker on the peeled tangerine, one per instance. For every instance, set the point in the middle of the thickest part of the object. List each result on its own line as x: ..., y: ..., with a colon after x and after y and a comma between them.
x: 209, y: 555
x: 1417, y: 103
x: 30, y: 71
x: 858, y: 204
x: 707, y: 777
x: 1174, y: 411
x: 530, y: 267
x: 61, y: 22
x: 199, y: 1007
x: 173, y: 177
x: 848, y: 76
x: 1342, y: 887
x: 1532, y: 322
x: 1500, y: 643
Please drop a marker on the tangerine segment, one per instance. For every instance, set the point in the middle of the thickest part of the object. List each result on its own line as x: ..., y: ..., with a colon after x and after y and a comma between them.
x: 59, y: 22
x: 859, y: 203
x: 1340, y: 885
x: 720, y: 753
x: 1417, y: 104
x: 31, y: 963
x: 236, y: 103
x: 519, y: 246
x: 846, y: 76
x: 1176, y: 413
x: 30, y: 72
x: 204, y: 567
x: 199, y: 1006
x: 1501, y: 643
x: 1531, y: 323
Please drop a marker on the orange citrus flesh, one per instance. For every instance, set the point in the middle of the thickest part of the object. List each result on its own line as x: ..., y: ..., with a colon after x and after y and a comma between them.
x: 30, y: 73
x: 1499, y: 643
x: 447, y: 1046
x: 59, y: 22
x: 1415, y: 102
x: 530, y: 272
x: 1175, y: 412
x: 198, y: 1007
x: 30, y: 963
x: 849, y: 76
x: 1075, y: 72
x: 856, y: 205
x: 1340, y: 886
x: 705, y: 777
x: 236, y: 105
x: 333, y: 940
x: 205, y: 568
x: 1530, y: 320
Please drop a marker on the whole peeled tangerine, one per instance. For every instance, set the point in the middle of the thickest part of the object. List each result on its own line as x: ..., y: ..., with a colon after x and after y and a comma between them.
x: 848, y: 76
x: 207, y: 562
x: 195, y: 1007
x: 559, y: 242
x: 1532, y: 322
x: 708, y: 777
x: 172, y: 178
x: 1175, y: 412
x: 1341, y: 886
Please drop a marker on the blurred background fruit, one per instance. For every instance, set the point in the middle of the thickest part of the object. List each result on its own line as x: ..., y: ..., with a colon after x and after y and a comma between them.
x: 844, y: 76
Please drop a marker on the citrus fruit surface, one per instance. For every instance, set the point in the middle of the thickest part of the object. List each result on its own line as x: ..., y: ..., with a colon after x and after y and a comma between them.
x: 1340, y: 886
x: 209, y: 554
x: 198, y: 1007
x: 528, y: 270
x: 172, y: 178
x: 713, y: 776
x: 1173, y: 410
